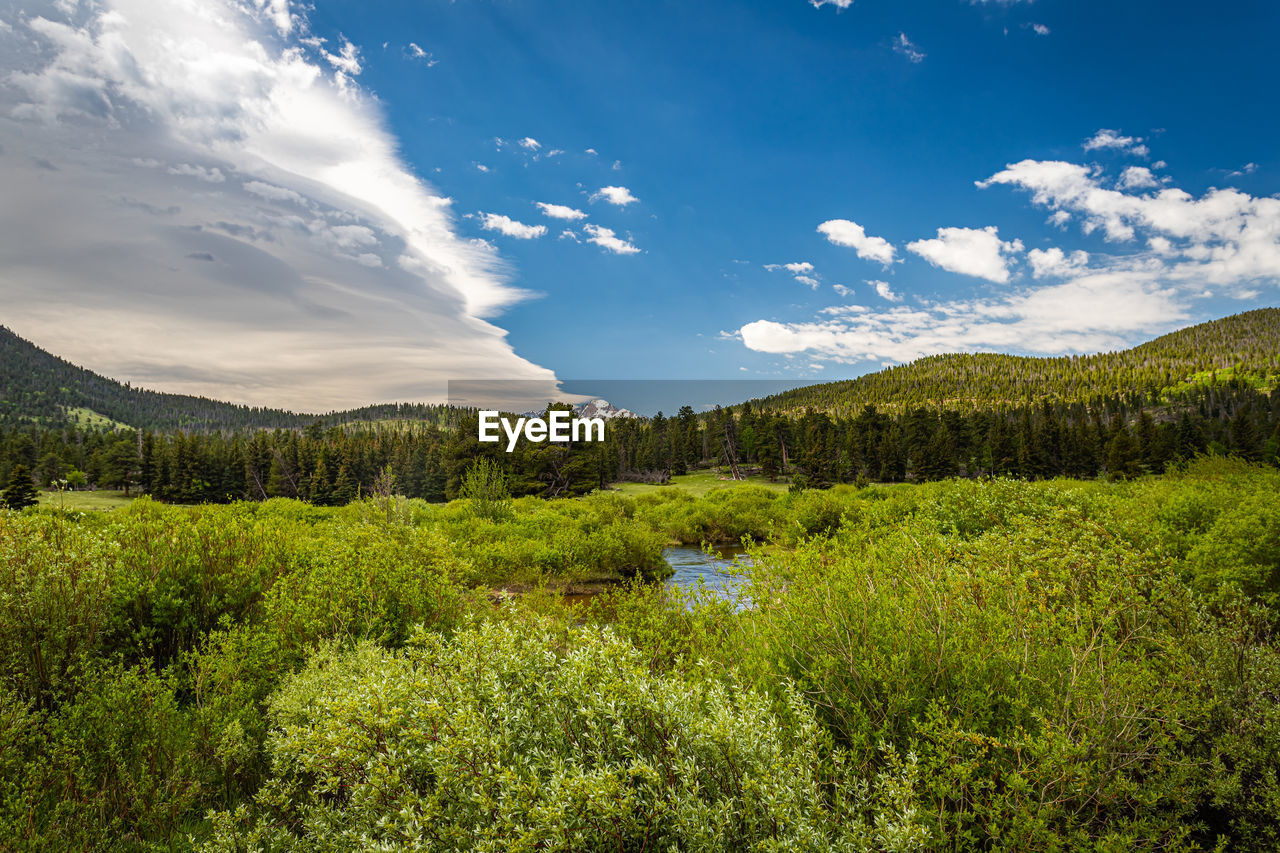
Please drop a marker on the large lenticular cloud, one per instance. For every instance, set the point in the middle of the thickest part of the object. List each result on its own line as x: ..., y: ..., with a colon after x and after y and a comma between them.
x: 200, y: 196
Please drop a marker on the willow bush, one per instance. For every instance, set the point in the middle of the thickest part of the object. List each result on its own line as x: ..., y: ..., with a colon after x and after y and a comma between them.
x: 507, y: 738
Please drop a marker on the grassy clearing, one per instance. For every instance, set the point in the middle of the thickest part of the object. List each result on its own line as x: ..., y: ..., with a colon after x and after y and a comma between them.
x: 102, y: 499
x: 83, y: 417
x: 698, y: 484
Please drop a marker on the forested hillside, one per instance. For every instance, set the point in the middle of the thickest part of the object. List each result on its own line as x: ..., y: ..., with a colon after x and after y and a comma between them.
x: 1243, y: 346
x: 37, y: 387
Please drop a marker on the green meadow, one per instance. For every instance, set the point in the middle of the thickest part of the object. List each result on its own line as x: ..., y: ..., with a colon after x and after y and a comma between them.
x: 990, y: 664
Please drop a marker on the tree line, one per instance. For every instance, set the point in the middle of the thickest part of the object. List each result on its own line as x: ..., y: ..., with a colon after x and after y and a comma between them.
x: 335, y: 464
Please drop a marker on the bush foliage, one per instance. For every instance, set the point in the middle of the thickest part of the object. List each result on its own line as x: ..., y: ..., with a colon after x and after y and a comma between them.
x: 960, y: 665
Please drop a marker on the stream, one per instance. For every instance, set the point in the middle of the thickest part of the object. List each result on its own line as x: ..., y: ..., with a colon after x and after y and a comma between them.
x: 692, y: 564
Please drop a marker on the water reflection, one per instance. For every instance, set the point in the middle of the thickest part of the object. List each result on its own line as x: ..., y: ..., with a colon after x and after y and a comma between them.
x: 715, y: 570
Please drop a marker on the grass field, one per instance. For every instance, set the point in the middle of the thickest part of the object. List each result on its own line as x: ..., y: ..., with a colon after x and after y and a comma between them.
x: 99, y: 500
x: 698, y: 484
x: 83, y: 417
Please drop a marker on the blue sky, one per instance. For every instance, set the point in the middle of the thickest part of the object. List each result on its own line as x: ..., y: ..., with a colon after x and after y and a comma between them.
x: 1101, y: 172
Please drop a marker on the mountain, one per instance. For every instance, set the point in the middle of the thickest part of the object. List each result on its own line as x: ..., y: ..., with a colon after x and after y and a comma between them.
x: 602, y: 409
x: 1242, y: 348
x: 38, y: 387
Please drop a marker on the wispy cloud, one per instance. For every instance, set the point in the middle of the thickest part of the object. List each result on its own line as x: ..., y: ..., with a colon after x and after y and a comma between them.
x: 413, y: 51
x: 560, y: 211
x: 1115, y: 141
x: 903, y: 46
x: 510, y: 227
x: 606, y: 239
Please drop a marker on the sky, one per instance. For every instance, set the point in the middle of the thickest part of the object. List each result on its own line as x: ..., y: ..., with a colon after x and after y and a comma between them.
x: 324, y: 205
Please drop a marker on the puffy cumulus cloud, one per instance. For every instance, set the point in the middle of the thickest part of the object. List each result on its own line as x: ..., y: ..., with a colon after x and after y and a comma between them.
x: 1137, y: 178
x: 560, y: 211
x: 621, y: 196
x: 839, y: 4
x: 1040, y: 29
x: 606, y: 239
x: 1112, y: 139
x: 884, y: 291
x: 977, y: 252
x: 1079, y: 302
x: 510, y: 227
x: 1226, y: 237
x: 530, y: 144
x: 319, y: 273
x: 1055, y: 262
x: 844, y: 232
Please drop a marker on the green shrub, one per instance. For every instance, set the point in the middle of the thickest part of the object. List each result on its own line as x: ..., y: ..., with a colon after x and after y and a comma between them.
x: 1053, y: 679
x: 501, y: 739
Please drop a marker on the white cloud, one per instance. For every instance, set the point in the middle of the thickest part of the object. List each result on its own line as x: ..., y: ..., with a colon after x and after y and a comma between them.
x: 1246, y: 169
x: 1040, y: 29
x: 1137, y: 178
x: 903, y: 47
x: 606, y: 239
x: 570, y: 234
x: 271, y: 192
x: 1056, y: 263
x: 297, y: 311
x: 1113, y: 140
x: 841, y: 290
x: 560, y: 211
x: 416, y: 52
x: 844, y: 232
x: 1091, y: 303
x: 209, y: 176
x: 347, y: 60
x: 977, y: 252
x: 1226, y: 237
x: 481, y: 167
x: 510, y: 227
x: 621, y: 196
x: 884, y: 291
x: 839, y: 4
x: 800, y: 270
x: 796, y: 267
x: 1087, y: 315
x: 530, y: 144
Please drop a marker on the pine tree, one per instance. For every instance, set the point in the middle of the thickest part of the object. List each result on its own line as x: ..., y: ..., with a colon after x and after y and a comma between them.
x: 1122, y: 456
x: 21, y: 491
